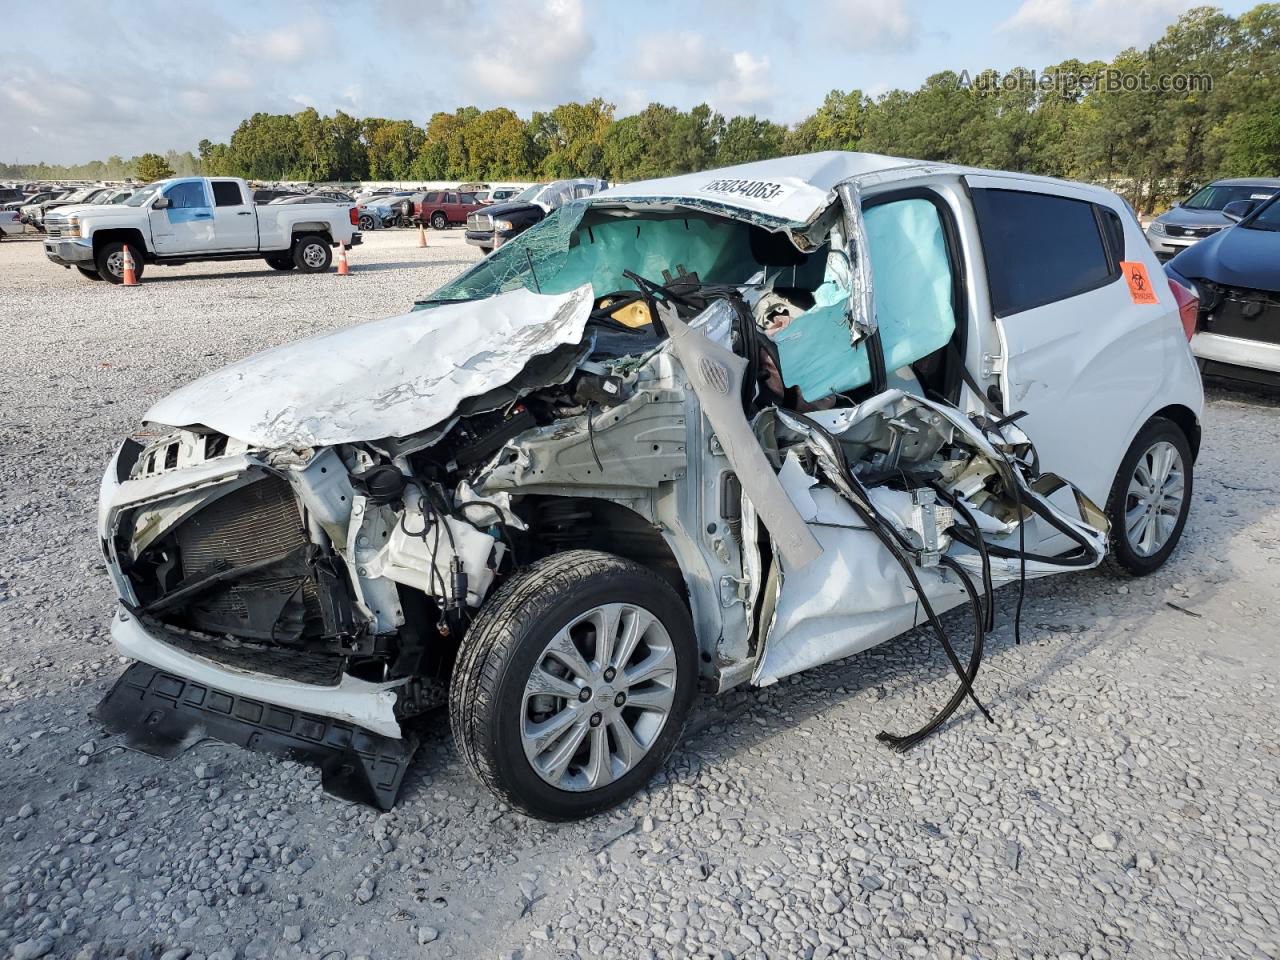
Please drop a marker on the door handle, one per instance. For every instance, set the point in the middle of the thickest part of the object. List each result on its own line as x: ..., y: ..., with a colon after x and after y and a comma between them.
x: 245, y: 213
x: 203, y: 216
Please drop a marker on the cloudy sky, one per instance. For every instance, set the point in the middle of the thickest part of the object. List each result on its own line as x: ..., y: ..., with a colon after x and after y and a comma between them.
x: 82, y: 79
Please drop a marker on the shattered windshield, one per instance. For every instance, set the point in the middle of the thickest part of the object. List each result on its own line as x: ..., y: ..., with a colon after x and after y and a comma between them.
x: 583, y: 244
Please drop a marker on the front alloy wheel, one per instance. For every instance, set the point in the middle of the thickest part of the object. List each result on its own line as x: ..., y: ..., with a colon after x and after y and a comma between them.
x: 573, y: 684
x: 597, y: 700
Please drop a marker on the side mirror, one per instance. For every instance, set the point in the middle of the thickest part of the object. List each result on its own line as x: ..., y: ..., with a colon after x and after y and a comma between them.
x: 161, y: 203
x: 1237, y: 210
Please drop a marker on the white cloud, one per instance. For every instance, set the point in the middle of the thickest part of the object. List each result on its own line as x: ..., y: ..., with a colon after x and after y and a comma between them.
x: 868, y: 26
x: 1106, y: 26
x: 541, y: 60
x: 689, y: 68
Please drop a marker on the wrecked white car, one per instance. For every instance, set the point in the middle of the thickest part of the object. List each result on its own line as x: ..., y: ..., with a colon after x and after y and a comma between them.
x: 695, y: 432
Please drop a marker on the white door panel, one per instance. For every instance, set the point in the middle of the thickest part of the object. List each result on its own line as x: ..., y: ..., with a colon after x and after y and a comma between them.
x: 235, y: 224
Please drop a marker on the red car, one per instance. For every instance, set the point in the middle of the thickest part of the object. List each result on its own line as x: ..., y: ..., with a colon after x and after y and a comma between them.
x: 440, y: 208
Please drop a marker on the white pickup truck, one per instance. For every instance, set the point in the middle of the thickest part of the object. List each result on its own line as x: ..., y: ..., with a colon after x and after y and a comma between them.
x: 197, y: 218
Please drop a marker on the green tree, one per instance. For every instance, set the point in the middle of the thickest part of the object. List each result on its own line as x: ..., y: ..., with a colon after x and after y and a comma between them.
x: 150, y: 167
x: 747, y: 139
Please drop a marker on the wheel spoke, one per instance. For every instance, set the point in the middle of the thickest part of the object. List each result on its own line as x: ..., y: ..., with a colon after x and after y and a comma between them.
x: 1137, y: 488
x: 563, y: 648
x: 538, y: 736
x: 657, y: 699
x: 606, y: 621
x: 629, y: 748
x: 556, y: 761
x: 541, y: 681
x: 634, y: 624
x: 1143, y: 471
x: 599, y: 769
x: 660, y: 661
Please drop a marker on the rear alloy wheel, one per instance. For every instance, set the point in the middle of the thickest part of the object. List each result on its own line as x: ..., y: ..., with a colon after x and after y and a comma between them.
x: 89, y: 273
x: 573, y: 684
x: 366, y: 223
x: 281, y: 262
x: 312, y: 253
x: 439, y: 221
x: 1151, y: 498
x: 110, y: 260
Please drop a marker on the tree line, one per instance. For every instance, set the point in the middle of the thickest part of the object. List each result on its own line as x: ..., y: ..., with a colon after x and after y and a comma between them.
x: 1200, y: 103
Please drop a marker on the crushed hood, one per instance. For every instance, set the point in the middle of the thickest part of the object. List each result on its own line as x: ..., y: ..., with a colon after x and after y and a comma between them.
x: 1236, y: 257
x: 388, y: 378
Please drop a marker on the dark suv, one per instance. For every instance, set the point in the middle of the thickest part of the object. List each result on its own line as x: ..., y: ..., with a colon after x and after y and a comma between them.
x: 496, y: 223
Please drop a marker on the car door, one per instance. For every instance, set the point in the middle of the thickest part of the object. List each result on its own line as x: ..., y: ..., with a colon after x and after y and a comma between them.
x: 1082, y: 346
x: 185, y: 224
x: 235, y: 221
x: 451, y: 207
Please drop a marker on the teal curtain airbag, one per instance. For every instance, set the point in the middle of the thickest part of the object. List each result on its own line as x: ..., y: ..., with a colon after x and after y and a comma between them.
x: 911, y: 277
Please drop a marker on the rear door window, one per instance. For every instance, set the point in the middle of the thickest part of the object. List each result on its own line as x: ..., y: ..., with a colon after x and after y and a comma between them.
x: 1040, y: 248
x: 226, y: 194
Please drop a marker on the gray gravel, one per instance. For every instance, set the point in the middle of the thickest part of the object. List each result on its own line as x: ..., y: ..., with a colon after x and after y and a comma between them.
x: 1123, y: 804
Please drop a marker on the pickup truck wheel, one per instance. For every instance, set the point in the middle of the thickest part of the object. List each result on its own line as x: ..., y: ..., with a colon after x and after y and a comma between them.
x: 283, y: 262
x: 312, y: 254
x: 439, y: 221
x: 89, y: 273
x: 573, y: 684
x: 110, y: 261
x: 1150, y: 498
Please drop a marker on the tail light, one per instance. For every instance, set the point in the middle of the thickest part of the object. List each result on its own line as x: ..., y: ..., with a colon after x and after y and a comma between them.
x: 354, y: 215
x: 1188, y: 306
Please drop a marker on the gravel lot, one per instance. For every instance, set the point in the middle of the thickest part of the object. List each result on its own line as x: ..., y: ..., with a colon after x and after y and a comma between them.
x: 1123, y: 804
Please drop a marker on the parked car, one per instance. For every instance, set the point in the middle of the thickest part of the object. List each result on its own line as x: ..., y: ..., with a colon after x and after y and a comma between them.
x: 1235, y: 275
x: 337, y: 195
x: 302, y: 198
x: 1201, y: 215
x: 32, y: 199
x: 658, y: 442
x: 263, y: 195
x: 503, y: 194
x: 378, y: 213
x: 10, y: 195
x: 34, y: 213
x: 9, y: 224
x: 189, y: 219
x: 494, y: 225
x: 442, y: 208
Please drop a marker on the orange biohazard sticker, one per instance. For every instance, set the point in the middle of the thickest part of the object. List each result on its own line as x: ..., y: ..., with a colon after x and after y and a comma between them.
x: 1135, y: 274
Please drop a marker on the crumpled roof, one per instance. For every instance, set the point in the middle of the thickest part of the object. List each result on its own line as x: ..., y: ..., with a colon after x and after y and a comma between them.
x: 792, y: 189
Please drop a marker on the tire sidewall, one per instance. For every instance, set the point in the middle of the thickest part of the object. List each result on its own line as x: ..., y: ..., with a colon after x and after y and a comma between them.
x: 1124, y: 554
x: 439, y: 221
x: 308, y: 241
x: 105, y: 254
x: 513, y: 767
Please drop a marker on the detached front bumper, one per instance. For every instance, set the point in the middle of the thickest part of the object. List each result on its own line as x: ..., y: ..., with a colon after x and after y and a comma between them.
x: 359, y: 702
x: 69, y: 253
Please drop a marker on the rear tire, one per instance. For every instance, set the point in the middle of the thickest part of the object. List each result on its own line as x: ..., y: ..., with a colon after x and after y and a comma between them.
x: 439, y: 221
x: 1150, y: 498
x: 110, y: 261
x: 600, y: 720
x: 281, y: 262
x: 312, y: 253
x: 89, y: 273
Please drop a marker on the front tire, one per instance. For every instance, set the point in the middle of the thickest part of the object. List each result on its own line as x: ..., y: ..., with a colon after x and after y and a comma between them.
x: 439, y: 221
x: 312, y: 253
x: 1151, y: 498
x: 110, y: 261
x: 367, y: 224
x: 573, y: 684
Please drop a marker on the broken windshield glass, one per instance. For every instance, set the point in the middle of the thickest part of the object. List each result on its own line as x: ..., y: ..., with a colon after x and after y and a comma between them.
x: 597, y: 245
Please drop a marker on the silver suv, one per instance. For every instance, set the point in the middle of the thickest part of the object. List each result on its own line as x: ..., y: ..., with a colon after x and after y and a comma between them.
x: 1201, y: 215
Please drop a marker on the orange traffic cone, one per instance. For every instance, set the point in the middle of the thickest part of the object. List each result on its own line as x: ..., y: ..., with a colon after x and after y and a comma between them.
x: 128, y: 267
x: 343, y: 269
x: 422, y: 235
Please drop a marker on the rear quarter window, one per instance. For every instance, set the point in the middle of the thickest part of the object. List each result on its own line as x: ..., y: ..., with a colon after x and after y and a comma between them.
x: 1041, y: 248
